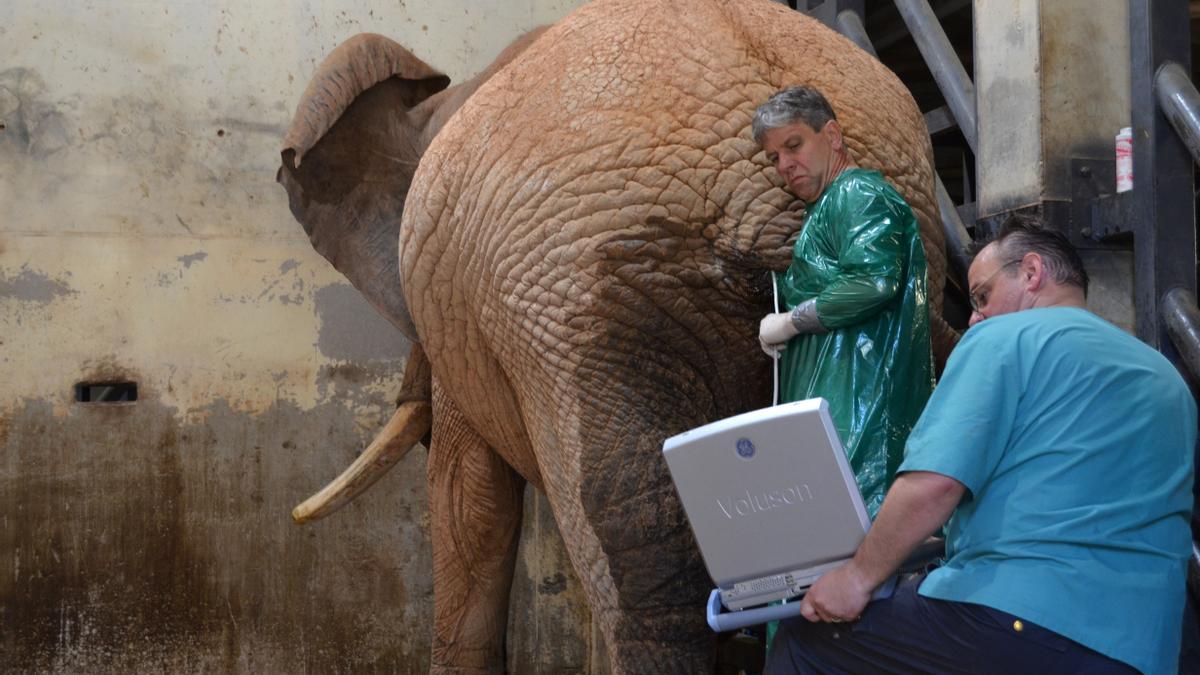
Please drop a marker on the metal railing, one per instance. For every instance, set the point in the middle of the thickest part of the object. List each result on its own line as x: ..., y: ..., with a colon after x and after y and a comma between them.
x: 1182, y: 318
x: 943, y: 63
x: 1180, y: 103
x: 851, y: 25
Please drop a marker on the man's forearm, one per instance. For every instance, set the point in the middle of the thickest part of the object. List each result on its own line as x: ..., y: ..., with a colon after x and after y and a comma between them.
x: 916, y: 506
x: 851, y: 300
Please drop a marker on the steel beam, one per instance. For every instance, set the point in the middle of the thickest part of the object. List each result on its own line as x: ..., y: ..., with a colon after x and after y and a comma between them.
x: 1161, y: 202
x: 1182, y: 319
x: 943, y: 63
x: 896, y: 32
x: 830, y: 12
x: 850, y: 24
x: 955, y: 234
x: 939, y: 119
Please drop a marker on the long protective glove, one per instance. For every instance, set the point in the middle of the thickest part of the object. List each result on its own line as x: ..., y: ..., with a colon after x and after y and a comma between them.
x: 775, y: 330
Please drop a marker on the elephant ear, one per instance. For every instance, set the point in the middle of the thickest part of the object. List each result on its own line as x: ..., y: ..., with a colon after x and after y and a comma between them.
x: 355, y: 66
x: 349, y: 157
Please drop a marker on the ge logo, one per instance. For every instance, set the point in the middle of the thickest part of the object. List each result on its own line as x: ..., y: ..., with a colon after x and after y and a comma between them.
x: 745, y: 448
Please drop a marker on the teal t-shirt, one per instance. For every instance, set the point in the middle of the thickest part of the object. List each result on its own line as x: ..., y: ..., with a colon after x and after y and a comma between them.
x: 1075, y: 442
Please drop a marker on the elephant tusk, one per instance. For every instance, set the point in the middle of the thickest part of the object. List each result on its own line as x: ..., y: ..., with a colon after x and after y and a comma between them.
x: 411, y: 422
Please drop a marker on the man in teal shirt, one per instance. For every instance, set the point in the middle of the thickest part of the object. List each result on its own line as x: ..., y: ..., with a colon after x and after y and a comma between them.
x: 1060, y: 451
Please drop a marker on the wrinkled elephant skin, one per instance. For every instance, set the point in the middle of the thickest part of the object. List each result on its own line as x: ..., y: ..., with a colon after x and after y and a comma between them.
x: 583, y: 256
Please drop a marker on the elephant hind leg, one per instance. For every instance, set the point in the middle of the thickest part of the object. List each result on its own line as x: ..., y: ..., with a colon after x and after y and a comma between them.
x: 629, y: 538
x: 475, y: 502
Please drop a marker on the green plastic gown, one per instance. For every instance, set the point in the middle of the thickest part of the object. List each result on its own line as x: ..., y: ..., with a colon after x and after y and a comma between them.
x: 860, y: 255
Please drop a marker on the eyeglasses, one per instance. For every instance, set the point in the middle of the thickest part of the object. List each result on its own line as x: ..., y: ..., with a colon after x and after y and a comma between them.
x: 979, y: 297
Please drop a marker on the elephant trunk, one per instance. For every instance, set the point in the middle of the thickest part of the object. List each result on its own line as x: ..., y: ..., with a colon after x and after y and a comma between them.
x: 411, y: 423
x: 354, y: 67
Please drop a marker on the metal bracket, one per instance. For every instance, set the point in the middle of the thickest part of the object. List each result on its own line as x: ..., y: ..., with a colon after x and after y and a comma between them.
x: 1099, y: 215
x: 939, y: 119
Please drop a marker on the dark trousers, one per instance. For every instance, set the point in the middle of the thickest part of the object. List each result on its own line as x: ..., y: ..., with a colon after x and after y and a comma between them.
x: 908, y: 633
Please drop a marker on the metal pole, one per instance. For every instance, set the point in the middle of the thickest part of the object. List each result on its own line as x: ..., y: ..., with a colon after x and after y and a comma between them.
x: 943, y: 63
x: 1161, y: 202
x: 1180, y: 103
x: 851, y: 25
x: 955, y: 234
x: 1182, y: 318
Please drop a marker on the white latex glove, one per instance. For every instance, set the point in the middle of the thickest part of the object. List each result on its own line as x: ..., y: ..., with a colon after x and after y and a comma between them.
x: 774, y: 331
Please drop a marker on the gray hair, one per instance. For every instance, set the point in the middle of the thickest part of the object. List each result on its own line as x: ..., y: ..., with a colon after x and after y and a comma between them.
x: 791, y: 105
x: 1021, y: 234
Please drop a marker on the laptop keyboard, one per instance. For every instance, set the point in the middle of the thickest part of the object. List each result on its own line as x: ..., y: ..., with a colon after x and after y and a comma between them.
x: 778, y: 582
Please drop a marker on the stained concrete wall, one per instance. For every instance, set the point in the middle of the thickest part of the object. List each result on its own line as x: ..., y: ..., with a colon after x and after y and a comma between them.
x: 1052, y: 83
x: 143, y: 239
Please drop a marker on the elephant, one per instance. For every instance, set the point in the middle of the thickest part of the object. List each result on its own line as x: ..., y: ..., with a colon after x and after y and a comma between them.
x: 578, y: 243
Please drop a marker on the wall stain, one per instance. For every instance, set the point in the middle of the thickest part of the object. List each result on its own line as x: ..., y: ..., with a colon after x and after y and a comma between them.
x: 130, y: 131
x: 348, y: 333
x: 344, y: 372
x: 350, y: 383
x: 296, y: 298
x: 134, y: 538
x: 31, y: 286
x: 273, y: 130
x: 553, y: 585
x: 33, y: 125
x: 137, y: 541
x: 187, y: 260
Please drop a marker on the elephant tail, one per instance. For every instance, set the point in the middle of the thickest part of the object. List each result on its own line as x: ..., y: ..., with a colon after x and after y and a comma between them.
x: 411, y: 423
x: 944, y: 339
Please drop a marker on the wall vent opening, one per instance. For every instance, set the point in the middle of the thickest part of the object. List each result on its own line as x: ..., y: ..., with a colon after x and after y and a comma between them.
x: 105, y: 392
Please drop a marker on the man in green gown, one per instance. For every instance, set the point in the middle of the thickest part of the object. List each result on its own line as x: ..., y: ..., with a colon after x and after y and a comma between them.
x: 856, y: 329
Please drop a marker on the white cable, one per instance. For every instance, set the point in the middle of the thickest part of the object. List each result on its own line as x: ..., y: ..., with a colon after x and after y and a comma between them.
x: 775, y: 358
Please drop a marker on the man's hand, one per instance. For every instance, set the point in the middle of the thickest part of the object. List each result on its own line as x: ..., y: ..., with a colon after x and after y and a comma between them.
x: 774, y: 331
x: 918, y: 503
x: 840, y: 595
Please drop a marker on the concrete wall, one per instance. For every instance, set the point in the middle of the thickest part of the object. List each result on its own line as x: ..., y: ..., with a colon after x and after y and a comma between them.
x: 1052, y: 82
x: 143, y: 239
x: 1008, y: 104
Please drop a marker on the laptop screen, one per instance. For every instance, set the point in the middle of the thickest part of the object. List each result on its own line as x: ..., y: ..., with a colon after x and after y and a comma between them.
x: 768, y: 491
